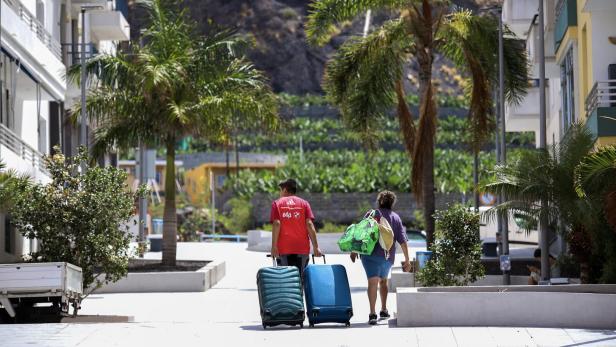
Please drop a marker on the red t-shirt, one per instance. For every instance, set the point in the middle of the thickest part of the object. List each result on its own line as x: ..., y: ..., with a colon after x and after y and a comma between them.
x: 292, y: 212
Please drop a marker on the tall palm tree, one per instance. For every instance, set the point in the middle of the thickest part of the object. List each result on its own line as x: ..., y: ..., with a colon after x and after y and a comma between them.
x: 177, y: 84
x: 550, y: 175
x: 365, y: 77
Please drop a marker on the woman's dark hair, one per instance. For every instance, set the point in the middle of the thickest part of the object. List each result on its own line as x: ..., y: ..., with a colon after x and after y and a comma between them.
x: 386, y: 199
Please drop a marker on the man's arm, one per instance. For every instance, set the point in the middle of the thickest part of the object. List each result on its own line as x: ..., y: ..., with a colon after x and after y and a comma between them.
x: 312, y: 232
x: 275, y: 234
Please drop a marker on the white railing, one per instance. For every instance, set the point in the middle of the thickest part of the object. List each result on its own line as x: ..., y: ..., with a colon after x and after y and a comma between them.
x: 36, y: 27
x: 602, y: 94
x: 9, y: 139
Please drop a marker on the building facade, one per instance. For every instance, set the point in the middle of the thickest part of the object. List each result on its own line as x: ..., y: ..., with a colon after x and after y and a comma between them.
x: 580, y: 50
x: 522, y: 18
x: 39, y: 40
x: 585, y: 46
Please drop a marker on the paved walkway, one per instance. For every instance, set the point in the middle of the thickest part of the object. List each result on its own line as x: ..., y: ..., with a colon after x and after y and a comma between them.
x: 228, y: 315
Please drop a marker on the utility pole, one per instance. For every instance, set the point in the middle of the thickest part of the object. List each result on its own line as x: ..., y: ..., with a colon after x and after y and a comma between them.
x: 83, y: 138
x: 543, y: 227
x: 503, y: 145
x: 82, y: 135
x: 143, y: 202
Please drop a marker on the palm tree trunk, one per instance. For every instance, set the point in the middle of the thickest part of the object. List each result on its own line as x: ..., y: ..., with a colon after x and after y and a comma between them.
x: 424, y: 151
x: 170, y: 216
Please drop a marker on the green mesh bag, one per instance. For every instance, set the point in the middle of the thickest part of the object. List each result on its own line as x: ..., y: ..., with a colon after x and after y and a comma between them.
x: 361, y: 237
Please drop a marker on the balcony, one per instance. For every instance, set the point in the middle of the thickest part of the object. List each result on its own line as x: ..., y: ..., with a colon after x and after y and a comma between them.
x: 35, y: 26
x: 20, y: 156
x: 525, y: 116
x: 109, y: 26
x: 25, y: 39
x: 566, y: 16
x: 601, y: 108
x: 519, y: 14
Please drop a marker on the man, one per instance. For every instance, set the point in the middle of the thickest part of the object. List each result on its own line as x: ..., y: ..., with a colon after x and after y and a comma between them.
x: 293, y: 228
x: 535, y: 273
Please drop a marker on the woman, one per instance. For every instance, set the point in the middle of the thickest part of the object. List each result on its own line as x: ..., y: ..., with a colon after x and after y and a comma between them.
x: 376, y: 265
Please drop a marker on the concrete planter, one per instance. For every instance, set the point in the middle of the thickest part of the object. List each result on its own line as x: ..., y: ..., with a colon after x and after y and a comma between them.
x: 401, y: 279
x: 185, y: 281
x: 570, y: 306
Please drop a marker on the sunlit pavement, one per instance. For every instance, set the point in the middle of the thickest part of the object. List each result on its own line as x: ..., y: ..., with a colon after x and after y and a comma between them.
x: 228, y: 315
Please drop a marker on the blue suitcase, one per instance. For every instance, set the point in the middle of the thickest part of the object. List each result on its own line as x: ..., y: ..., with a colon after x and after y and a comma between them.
x: 328, y: 295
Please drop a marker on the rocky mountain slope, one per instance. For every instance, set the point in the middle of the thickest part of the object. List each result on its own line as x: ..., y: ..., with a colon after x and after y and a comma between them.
x: 276, y: 29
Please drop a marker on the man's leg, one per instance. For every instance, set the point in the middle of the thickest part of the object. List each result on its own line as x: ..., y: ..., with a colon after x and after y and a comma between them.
x: 384, y: 290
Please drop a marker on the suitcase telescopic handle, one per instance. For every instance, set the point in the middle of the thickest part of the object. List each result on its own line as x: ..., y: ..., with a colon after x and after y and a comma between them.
x: 322, y: 255
x: 274, y: 262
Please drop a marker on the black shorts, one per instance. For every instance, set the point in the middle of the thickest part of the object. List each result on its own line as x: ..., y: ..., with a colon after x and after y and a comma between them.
x: 298, y: 260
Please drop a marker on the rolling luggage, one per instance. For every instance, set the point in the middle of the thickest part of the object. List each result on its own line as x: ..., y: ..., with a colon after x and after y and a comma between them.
x: 328, y: 295
x: 280, y: 296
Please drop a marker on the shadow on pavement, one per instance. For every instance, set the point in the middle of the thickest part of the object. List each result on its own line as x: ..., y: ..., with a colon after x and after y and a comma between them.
x: 334, y: 326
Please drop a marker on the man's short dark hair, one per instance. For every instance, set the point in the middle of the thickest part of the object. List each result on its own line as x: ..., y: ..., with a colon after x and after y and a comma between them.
x: 537, y: 254
x: 386, y: 199
x: 290, y: 185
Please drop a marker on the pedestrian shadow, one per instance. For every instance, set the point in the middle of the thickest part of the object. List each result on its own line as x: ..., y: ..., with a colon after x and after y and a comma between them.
x: 331, y: 326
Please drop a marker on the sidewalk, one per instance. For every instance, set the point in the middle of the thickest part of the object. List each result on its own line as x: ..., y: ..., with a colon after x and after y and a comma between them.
x: 228, y: 315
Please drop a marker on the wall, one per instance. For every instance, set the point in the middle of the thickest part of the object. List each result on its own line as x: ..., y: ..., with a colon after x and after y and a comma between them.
x: 346, y: 208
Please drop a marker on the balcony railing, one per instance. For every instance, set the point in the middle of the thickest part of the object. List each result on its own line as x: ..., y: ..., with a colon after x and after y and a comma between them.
x: 35, y: 26
x: 603, y: 94
x: 9, y: 139
x: 73, y: 52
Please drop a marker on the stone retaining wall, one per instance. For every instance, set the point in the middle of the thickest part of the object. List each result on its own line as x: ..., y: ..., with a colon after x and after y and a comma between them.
x: 345, y: 208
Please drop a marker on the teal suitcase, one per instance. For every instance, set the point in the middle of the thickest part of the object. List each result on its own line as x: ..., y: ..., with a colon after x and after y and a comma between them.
x: 280, y: 296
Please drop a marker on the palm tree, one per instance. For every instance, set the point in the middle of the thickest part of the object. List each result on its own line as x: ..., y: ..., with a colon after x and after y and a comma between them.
x: 11, y: 184
x: 550, y: 175
x: 174, y: 86
x: 365, y: 77
x: 596, y: 179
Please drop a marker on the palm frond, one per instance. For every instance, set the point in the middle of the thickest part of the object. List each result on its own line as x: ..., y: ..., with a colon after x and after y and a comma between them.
x: 471, y: 41
x: 325, y: 14
x: 361, y: 77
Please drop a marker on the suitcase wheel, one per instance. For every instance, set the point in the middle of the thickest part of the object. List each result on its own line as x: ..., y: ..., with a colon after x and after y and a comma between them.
x: 347, y: 324
x: 264, y: 326
x: 311, y: 325
x: 301, y: 325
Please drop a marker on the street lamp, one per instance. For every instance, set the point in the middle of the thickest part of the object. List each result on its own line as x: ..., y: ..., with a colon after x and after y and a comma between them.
x: 83, y: 138
x: 543, y: 227
x: 501, y: 150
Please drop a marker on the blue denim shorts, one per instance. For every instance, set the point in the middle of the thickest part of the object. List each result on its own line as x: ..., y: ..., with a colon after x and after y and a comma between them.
x: 376, y: 266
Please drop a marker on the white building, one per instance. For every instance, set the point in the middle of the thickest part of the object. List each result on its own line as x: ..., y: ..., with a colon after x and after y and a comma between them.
x: 39, y: 40
x: 522, y: 17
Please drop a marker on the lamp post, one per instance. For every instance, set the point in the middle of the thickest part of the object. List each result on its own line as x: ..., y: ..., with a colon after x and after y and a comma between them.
x: 500, y: 139
x: 503, y: 143
x: 543, y: 230
x: 83, y: 139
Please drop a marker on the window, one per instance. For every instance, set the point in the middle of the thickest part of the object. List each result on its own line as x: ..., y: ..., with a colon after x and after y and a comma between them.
x: 8, y: 235
x: 220, y: 181
x: 567, y: 88
x: 40, y: 12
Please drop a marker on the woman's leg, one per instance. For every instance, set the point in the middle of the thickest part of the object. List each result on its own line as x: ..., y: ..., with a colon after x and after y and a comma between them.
x: 384, y: 290
x: 373, y: 285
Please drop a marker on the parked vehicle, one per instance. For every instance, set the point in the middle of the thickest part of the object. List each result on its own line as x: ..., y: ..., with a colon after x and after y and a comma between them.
x: 23, y: 285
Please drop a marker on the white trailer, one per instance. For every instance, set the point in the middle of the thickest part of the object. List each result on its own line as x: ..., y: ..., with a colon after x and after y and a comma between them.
x: 25, y: 284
